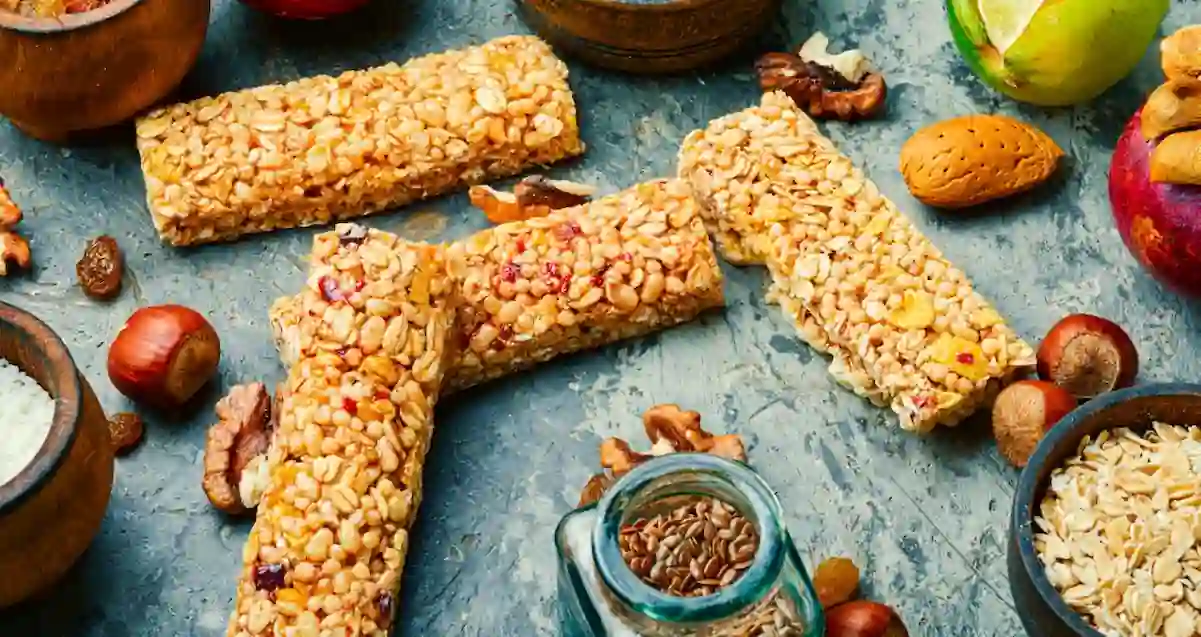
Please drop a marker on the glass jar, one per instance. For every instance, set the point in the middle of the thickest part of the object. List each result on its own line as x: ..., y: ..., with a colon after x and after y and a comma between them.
x: 601, y: 596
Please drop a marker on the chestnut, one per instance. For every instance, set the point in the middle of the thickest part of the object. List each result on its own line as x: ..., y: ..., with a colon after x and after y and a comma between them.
x: 163, y: 355
x: 862, y: 618
x: 1023, y: 413
x: 1087, y: 355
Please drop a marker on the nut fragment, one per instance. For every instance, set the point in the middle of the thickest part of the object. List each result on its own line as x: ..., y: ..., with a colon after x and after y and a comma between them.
x: 101, y: 268
x: 841, y: 86
x: 595, y: 489
x: 125, y: 432
x: 14, y: 250
x: 1174, y: 106
x: 10, y: 214
x: 534, y: 196
x: 1180, y: 54
x: 616, y: 456
x: 241, y: 436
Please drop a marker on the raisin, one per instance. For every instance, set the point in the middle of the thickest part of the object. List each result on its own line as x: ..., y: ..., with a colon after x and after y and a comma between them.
x: 568, y: 231
x: 509, y: 272
x: 352, y: 233
x: 836, y: 580
x: 598, y: 279
x: 100, y: 269
x: 330, y: 290
x: 269, y: 577
x: 387, y: 608
x: 125, y: 432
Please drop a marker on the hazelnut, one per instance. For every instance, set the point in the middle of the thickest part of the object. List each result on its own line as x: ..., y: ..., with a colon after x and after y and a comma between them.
x: 1088, y: 356
x: 1022, y: 415
x: 862, y: 618
x: 163, y: 355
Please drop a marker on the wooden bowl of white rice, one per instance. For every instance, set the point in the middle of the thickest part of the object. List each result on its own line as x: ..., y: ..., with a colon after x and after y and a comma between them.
x: 56, y: 462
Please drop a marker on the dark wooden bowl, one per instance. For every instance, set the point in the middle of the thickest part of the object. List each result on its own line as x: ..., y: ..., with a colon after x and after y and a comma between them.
x: 1042, y: 611
x: 665, y: 36
x: 52, y: 509
x: 91, y: 70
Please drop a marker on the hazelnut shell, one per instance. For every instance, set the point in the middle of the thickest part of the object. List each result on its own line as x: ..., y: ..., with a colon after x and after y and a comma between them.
x: 163, y: 355
x: 1088, y: 356
x: 1023, y: 413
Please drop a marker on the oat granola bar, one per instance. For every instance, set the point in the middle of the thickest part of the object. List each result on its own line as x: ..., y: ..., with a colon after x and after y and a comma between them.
x: 328, y: 545
x: 905, y: 326
x: 324, y: 149
x: 620, y: 267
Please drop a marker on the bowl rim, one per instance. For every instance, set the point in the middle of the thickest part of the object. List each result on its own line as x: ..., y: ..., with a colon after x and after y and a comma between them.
x: 68, y: 408
x: 1022, y: 512
x: 62, y: 24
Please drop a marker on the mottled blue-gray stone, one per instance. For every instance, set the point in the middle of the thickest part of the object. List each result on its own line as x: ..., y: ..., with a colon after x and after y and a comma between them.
x: 926, y: 518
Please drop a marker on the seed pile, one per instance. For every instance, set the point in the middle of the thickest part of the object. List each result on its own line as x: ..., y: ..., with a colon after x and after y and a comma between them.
x: 693, y: 550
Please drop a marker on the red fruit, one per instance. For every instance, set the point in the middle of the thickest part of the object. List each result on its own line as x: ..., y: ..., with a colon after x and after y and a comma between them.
x: 305, y: 9
x: 862, y: 618
x: 1160, y: 223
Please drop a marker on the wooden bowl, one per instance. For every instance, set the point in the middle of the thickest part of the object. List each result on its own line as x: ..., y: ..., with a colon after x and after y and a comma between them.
x: 52, y: 509
x: 655, y: 36
x: 91, y: 70
x: 1043, y: 612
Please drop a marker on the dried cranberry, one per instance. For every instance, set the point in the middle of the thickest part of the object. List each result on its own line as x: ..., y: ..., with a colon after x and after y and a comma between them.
x: 625, y: 256
x: 921, y: 401
x: 568, y: 231
x: 386, y: 610
x: 965, y: 358
x: 509, y: 272
x: 598, y: 279
x: 564, y: 285
x: 330, y: 290
x: 382, y: 394
x: 359, y: 285
x: 504, y: 335
x: 521, y: 244
x: 350, y: 406
x: 341, y: 352
x: 269, y: 577
x: 550, y: 270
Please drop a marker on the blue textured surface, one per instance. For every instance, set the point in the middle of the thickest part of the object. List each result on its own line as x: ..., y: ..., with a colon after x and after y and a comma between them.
x: 926, y: 518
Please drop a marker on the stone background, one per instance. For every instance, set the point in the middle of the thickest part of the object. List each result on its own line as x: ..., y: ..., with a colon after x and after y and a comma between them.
x: 926, y: 518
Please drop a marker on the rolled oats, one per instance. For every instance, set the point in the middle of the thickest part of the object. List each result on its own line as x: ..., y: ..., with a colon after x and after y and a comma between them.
x: 903, y: 326
x: 325, y: 149
x: 616, y: 268
x: 1118, y: 531
x: 328, y: 545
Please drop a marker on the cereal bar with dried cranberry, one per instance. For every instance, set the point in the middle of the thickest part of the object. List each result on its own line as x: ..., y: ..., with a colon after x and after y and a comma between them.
x: 616, y: 268
x: 326, y: 149
x: 329, y: 541
x: 904, y: 326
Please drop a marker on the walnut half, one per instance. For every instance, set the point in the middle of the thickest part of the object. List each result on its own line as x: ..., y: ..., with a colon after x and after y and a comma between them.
x: 235, y: 467
x: 670, y: 430
x: 825, y: 85
x: 534, y: 196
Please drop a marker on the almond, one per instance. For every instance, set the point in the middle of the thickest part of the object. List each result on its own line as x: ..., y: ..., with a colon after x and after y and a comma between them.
x: 968, y: 160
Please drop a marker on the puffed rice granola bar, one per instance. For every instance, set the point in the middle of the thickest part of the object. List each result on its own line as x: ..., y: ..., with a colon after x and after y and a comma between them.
x: 905, y: 326
x: 324, y: 149
x: 328, y: 545
x: 582, y: 277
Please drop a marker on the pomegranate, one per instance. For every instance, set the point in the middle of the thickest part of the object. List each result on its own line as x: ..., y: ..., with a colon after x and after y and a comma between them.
x: 1160, y: 223
x: 305, y: 9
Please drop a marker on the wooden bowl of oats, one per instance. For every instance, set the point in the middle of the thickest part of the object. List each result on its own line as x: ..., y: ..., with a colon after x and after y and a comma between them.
x: 75, y: 65
x: 56, y: 462
x: 1105, y: 534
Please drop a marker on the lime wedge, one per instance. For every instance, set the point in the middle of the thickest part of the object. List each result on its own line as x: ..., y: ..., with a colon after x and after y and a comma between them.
x: 1006, y: 20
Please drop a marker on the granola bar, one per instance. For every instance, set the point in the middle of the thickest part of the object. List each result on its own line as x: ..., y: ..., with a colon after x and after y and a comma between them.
x: 325, y: 149
x: 620, y: 267
x: 328, y: 545
x: 904, y: 325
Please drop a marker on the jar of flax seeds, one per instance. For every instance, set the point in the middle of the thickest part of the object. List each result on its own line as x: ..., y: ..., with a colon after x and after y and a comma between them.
x: 686, y: 544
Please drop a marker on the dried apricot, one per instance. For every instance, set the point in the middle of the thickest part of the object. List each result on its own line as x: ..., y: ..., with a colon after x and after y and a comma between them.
x: 836, y: 580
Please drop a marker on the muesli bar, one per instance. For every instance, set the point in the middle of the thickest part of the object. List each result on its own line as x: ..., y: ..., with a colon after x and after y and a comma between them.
x: 328, y: 545
x: 904, y: 325
x: 326, y: 149
x: 582, y: 277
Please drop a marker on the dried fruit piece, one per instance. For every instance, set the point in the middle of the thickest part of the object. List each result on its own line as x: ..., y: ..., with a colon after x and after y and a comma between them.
x: 836, y: 579
x: 235, y: 447
x: 1087, y: 356
x: 962, y: 356
x: 595, y: 489
x: 14, y: 251
x: 125, y: 432
x: 1022, y: 415
x: 841, y: 86
x: 101, y: 268
x: 269, y: 577
x: 10, y: 214
x: 1180, y: 54
x: 534, y: 196
x: 864, y: 619
x: 916, y: 311
x: 1177, y: 159
x: 1174, y: 106
x: 966, y: 161
x: 616, y: 455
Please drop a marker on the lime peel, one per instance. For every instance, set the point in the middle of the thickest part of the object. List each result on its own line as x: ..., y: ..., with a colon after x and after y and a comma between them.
x: 1006, y: 20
